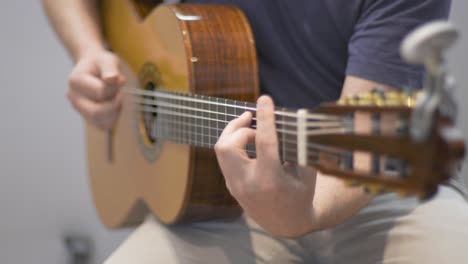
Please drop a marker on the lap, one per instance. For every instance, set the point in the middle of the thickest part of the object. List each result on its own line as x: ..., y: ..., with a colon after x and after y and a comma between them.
x: 434, y: 232
x: 237, y: 241
x: 389, y: 230
x: 399, y: 231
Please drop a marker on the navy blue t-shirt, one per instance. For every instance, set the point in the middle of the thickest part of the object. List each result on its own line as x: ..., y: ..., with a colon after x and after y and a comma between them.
x: 307, y: 47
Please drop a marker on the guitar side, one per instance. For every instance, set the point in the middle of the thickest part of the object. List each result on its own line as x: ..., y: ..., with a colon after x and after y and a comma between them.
x: 202, y: 49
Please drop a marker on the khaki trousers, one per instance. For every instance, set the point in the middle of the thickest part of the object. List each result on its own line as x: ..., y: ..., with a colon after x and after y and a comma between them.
x: 390, y: 230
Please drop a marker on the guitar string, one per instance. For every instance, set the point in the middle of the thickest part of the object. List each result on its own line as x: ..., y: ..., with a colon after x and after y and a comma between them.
x: 314, y: 150
x: 188, y: 133
x: 317, y: 151
x: 147, y: 101
x: 310, y: 146
x: 199, y: 99
x: 152, y: 103
x: 314, y: 127
x: 319, y: 131
x: 311, y: 154
x: 245, y: 108
x: 195, y: 125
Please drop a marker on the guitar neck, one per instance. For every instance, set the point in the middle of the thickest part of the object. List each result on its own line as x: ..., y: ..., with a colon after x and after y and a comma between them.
x: 199, y: 120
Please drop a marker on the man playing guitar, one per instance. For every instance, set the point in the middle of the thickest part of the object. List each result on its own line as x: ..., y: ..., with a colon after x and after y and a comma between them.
x: 309, y: 52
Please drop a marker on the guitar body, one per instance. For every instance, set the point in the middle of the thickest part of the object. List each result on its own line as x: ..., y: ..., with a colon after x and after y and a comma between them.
x: 202, y: 49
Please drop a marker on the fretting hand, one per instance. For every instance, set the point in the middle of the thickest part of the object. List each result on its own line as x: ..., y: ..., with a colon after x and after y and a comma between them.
x: 277, y: 196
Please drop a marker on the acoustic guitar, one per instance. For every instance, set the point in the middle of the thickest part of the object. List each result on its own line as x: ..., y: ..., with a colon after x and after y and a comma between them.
x: 192, y: 68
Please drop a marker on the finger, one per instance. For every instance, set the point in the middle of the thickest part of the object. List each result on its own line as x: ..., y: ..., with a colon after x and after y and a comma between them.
x: 236, y: 134
x: 243, y: 120
x: 266, y: 141
x: 91, y: 87
x: 234, y: 147
x: 110, y: 73
x: 100, y: 114
x: 237, y: 141
x: 233, y: 159
x: 109, y: 69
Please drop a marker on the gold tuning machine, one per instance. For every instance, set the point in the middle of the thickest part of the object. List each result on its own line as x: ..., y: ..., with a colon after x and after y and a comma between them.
x: 374, y: 189
x: 352, y: 183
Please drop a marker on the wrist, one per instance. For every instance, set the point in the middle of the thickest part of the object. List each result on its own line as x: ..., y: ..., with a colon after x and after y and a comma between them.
x: 89, y: 51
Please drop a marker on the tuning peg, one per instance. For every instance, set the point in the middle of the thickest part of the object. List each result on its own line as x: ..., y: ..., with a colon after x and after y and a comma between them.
x: 392, y: 98
x: 365, y: 99
x: 376, y: 189
x: 352, y: 100
x: 341, y: 101
x: 378, y: 99
x: 352, y: 183
x: 373, y: 189
x: 411, y: 99
x: 345, y: 101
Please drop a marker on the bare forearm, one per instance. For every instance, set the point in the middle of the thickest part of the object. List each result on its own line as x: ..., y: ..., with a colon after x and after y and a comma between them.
x: 335, y: 202
x: 77, y: 25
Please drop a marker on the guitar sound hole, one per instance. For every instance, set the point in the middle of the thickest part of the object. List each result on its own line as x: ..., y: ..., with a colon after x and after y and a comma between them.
x: 149, y: 114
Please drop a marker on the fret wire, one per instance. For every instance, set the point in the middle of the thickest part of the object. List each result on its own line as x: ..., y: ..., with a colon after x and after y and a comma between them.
x: 292, y: 157
x: 208, y: 114
x: 183, y: 122
x: 170, y: 130
x: 188, y: 125
x: 217, y: 118
x: 292, y: 132
x: 180, y: 125
x: 179, y: 119
x: 192, y: 142
x: 176, y: 123
x: 202, y: 144
x: 313, y: 154
x: 281, y: 140
x: 311, y: 146
x: 207, y: 123
x: 173, y: 118
x: 156, y: 103
x: 225, y: 111
x: 339, y: 130
x: 190, y: 97
x: 210, y: 123
x: 203, y: 141
x: 195, y: 123
x: 186, y: 120
x: 200, y: 129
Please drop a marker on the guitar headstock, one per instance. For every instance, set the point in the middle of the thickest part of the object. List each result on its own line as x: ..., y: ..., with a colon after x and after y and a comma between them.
x: 378, y: 151
x: 399, y: 141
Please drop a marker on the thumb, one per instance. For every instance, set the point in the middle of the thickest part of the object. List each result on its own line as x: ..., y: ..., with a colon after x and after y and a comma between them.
x: 109, y: 68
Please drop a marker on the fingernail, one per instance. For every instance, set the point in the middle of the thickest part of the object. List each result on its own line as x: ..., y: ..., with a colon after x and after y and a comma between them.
x: 245, y: 114
x: 263, y: 100
x: 110, y: 76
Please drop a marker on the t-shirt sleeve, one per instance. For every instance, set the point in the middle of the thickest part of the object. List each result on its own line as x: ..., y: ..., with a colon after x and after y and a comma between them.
x: 375, y: 44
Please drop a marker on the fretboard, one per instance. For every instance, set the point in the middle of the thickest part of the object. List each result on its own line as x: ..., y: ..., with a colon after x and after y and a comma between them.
x: 199, y: 120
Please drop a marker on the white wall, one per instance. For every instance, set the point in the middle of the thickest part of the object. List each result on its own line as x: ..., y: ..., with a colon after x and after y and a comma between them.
x: 43, y: 182
x: 44, y: 192
x: 458, y: 62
